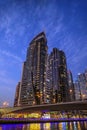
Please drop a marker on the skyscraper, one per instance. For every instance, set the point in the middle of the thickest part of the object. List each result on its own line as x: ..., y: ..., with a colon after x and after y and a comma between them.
x: 44, y: 76
x: 57, y: 76
x: 34, y: 72
x: 77, y: 91
x: 81, y: 86
x: 16, y: 100
x: 71, y: 86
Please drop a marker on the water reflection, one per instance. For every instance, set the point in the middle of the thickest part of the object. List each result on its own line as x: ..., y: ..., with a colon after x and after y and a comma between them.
x: 32, y: 126
x: 0, y: 128
x: 46, y: 126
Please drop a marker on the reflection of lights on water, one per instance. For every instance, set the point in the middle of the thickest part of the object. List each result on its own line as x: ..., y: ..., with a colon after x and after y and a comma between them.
x: 74, y: 122
x: 0, y: 128
x: 64, y: 125
x: 5, y: 104
x: 34, y: 126
x: 47, y: 126
x: 75, y: 126
x: 60, y: 126
x: 78, y: 124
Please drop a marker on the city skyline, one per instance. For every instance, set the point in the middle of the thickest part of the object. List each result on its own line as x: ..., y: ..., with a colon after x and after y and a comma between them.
x: 65, y: 28
x: 44, y: 76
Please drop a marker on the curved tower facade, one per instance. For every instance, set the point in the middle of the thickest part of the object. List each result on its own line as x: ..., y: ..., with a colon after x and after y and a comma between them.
x: 34, y: 72
x: 44, y: 77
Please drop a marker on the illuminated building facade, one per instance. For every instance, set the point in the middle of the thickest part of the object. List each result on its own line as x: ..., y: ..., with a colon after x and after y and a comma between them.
x: 63, y: 79
x: 26, y: 91
x: 77, y: 91
x: 48, y: 88
x: 16, y: 100
x: 44, y: 77
x: 86, y: 75
x: 57, y: 76
x: 34, y: 72
x: 81, y: 85
x: 71, y: 86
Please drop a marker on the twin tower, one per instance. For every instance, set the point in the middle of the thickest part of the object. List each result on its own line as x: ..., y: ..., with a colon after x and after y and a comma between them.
x: 44, y: 76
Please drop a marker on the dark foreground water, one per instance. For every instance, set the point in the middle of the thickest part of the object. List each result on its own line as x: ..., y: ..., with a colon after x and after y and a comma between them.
x: 46, y: 126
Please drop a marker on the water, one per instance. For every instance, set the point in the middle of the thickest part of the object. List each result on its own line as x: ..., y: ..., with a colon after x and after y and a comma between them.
x: 46, y: 126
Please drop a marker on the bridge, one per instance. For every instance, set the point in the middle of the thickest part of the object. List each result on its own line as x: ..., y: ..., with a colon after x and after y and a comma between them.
x: 65, y: 106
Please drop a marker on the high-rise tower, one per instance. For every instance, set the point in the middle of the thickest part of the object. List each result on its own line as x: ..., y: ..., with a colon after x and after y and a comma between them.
x: 44, y: 76
x: 83, y: 85
x: 34, y: 72
x: 16, y: 100
x: 80, y: 86
x: 71, y: 86
x: 57, y: 76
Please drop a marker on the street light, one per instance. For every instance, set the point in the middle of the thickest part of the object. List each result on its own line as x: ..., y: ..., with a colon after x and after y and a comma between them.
x: 83, y: 96
x: 5, y: 104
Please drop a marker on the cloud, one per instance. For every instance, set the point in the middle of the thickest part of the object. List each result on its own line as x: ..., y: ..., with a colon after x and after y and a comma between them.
x: 10, y: 65
x: 10, y: 55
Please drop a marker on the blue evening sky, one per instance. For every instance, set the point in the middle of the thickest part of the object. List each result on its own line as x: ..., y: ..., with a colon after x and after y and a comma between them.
x: 65, y: 25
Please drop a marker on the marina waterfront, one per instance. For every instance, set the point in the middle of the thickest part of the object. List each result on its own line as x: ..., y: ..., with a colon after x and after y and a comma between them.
x: 82, y: 125
x: 43, y: 65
